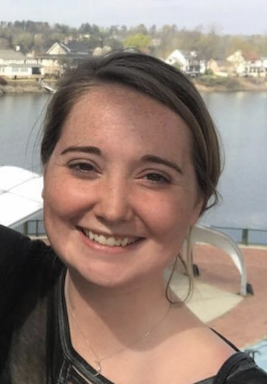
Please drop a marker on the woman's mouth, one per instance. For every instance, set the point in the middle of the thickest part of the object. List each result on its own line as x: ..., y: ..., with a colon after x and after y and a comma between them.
x: 109, y: 240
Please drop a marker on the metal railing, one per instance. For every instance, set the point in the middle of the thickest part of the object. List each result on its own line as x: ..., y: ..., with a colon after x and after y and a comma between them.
x: 239, y: 235
x: 34, y: 228
x: 245, y: 236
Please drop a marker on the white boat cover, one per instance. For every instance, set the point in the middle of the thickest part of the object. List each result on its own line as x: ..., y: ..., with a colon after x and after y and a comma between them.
x: 20, y: 195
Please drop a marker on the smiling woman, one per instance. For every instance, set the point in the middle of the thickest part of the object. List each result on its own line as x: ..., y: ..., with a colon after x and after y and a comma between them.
x: 131, y: 160
x: 112, y: 187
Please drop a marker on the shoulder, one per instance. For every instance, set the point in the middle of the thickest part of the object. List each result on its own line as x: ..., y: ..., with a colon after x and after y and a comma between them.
x: 24, y: 265
x: 240, y: 369
x: 28, y: 271
x: 12, y: 241
x: 18, y: 251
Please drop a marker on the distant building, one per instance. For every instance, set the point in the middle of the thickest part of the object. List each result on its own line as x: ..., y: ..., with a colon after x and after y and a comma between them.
x: 15, y: 65
x: 188, y: 61
x: 60, y: 55
x: 248, y: 64
x: 219, y: 67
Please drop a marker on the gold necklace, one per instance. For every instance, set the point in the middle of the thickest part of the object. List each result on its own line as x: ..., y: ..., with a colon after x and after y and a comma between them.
x: 98, y: 360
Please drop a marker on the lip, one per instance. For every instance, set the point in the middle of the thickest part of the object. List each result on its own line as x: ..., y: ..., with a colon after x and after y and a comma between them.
x: 106, y: 249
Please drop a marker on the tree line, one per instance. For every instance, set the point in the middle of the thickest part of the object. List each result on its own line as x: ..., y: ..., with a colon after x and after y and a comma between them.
x: 38, y: 37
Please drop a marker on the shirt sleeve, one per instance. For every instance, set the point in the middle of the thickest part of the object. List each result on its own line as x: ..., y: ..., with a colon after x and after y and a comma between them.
x: 253, y: 375
x: 27, y: 271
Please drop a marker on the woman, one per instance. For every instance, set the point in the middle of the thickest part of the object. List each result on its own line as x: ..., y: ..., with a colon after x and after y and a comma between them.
x: 131, y: 160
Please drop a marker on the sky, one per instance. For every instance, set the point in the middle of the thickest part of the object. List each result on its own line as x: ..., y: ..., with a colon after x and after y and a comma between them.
x: 227, y: 16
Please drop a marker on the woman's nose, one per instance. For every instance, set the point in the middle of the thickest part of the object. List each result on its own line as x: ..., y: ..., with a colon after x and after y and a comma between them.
x: 113, y: 202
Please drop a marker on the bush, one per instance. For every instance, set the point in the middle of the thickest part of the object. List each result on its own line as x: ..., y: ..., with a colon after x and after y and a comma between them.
x: 3, y: 81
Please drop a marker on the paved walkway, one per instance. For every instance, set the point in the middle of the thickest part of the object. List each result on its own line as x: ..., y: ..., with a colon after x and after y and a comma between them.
x: 217, y: 302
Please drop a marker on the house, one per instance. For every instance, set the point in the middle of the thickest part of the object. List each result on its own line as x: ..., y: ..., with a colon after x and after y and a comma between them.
x: 264, y: 64
x: 187, y: 61
x: 8, y: 56
x: 221, y: 68
x: 60, y: 55
x: 248, y: 64
x: 15, y: 65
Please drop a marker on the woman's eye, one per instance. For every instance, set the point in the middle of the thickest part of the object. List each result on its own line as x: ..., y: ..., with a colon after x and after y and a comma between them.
x: 82, y: 167
x: 157, y: 178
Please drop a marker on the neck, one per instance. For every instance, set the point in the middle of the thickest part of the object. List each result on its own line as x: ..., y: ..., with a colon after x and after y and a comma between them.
x: 123, y: 314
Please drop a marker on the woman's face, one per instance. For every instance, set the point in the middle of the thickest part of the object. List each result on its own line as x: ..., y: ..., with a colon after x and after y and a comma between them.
x: 120, y: 189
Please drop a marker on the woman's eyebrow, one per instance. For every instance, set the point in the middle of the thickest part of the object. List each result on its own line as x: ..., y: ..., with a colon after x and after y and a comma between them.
x: 146, y: 158
x: 159, y: 160
x: 87, y: 149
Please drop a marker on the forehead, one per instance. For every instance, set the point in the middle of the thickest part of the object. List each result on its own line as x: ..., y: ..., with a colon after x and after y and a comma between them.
x: 108, y: 112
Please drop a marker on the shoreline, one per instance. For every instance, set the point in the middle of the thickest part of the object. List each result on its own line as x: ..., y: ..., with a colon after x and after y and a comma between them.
x: 24, y: 87
x: 231, y: 84
x: 204, y: 85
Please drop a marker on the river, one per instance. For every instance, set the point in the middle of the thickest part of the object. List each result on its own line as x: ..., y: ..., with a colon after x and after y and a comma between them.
x: 241, y: 118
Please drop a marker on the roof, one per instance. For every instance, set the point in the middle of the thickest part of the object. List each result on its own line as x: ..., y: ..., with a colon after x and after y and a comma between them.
x: 190, y: 55
x: 8, y: 54
x: 14, y: 65
x: 71, y: 56
x: 20, y: 195
x: 78, y: 47
x: 72, y: 48
x: 251, y: 56
x: 60, y: 48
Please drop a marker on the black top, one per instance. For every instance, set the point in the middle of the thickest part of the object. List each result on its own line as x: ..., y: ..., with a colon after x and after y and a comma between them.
x: 35, y: 345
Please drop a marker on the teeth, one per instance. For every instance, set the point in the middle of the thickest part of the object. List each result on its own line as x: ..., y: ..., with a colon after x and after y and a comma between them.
x: 117, y: 243
x: 101, y: 240
x: 110, y: 241
x: 124, y: 242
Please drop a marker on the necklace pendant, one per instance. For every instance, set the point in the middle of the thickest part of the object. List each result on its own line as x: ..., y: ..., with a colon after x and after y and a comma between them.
x: 98, y: 368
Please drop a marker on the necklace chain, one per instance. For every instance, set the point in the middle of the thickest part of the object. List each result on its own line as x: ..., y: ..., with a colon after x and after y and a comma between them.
x: 98, y: 360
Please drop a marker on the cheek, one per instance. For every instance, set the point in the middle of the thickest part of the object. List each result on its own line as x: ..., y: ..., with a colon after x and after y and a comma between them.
x: 169, y: 218
x: 64, y: 198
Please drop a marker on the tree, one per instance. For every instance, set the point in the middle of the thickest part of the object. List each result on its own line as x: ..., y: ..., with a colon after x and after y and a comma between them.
x: 138, y: 41
x: 4, y: 43
x: 39, y: 42
x: 24, y: 40
x: 209, y: 46
x: 241, y: 43
x: 113, y: 43
x: 153, y: 30
x: 141, y: 28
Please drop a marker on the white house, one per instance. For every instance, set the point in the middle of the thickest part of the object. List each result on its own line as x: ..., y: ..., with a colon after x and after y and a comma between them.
x: 8, y: 56
x: 248, y: 64
x: 15, y: 65
x: 187, y: 61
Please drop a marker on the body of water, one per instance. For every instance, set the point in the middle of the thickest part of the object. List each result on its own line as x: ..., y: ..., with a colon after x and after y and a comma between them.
x: 241, y: 118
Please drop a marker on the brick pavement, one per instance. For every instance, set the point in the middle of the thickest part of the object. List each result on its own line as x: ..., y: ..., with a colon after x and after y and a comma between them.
x: 246, y: 323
